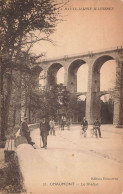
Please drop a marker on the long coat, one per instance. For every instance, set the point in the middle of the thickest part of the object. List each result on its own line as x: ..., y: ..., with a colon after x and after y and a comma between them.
x: 44, y: 128
x: 24, y: 128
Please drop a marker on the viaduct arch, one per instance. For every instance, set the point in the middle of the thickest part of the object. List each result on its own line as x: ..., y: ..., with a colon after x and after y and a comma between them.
x: 52, y: 72
x: 95, y: 60
x: 72, y: 74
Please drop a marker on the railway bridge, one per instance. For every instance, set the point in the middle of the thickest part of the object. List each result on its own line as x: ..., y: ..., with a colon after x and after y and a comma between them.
x: 94, y: 60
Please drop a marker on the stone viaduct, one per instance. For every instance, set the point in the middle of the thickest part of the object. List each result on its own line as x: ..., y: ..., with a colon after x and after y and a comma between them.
x: 95, y: 60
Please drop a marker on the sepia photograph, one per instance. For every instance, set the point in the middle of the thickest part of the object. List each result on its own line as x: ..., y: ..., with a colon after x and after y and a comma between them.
x: 61, y: 96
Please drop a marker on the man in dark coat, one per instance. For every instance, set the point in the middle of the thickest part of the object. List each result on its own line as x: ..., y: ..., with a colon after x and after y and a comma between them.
x: 97, y: 126
x: 25, y: 131
x: 63, y: 122
x: 84, y: 126
x: 44, y: 130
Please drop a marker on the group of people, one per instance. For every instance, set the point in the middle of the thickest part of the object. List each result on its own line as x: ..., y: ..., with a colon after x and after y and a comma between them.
x: 46, y: 126
x: 96, y: 127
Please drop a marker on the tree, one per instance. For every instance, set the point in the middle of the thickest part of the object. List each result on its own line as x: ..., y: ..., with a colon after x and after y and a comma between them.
x: 23, y: 23
x: 55, y: 101
x: 50, y: 101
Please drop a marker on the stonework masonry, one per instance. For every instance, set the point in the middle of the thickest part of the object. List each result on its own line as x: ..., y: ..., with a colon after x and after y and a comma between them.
x: 19, y: 106
x: 95, y: 60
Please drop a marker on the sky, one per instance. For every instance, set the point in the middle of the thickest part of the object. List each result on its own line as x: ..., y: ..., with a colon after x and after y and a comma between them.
x: 87, y: 29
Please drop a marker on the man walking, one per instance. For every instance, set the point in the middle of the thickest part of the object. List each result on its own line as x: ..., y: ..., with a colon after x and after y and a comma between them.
x: 44, y: 131
x: 97, y: 127
x: 63, y: 122
x: 52, y: 126
x: 84, y: 126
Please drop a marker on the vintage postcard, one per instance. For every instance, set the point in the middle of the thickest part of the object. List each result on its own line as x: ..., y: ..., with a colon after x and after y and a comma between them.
x: 61, y: 102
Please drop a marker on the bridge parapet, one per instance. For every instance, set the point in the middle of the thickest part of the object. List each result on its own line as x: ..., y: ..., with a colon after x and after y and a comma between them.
x: 118, y: 50
x: 71, y: 63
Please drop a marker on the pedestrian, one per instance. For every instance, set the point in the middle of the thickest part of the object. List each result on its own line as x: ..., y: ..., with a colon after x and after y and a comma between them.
x: 44, y: 130
x: 52, y: 126
x: 84, y: 126
x: 63, y: 122
x: 25, y: 131
x: 96, y: 126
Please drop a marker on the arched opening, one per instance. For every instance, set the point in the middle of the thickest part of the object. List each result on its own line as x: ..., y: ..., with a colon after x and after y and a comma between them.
x: 82, y: 78
x: 96, y: 71
x: 52, y: 77
x: 104, y: 71
x: 107, y: 109
x: 108, y: 75
x: 77, y: 84
x: 60, y: 76
x: 75, y: 77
